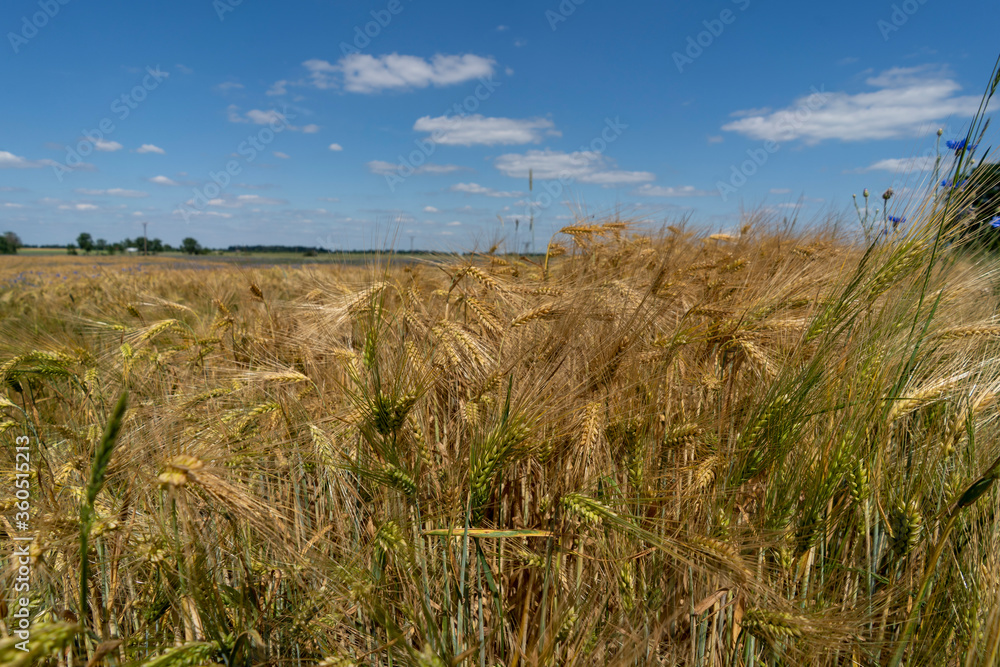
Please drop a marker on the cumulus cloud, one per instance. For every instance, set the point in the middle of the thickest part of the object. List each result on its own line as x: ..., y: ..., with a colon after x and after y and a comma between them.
x: 905, y: 102
x: 150, y: 148
x: 431, y: 209
x: 903, y: 164
x: 196, y: 212
x: 476, y: 189
x: 240, y: 201
x: 582, y: 166
x: 283, y: 156
x: 478, y: 129
x: 336, y: 147
x: 649, y: 190
x: 383, y: 168
x: 278, y: 88
x: 263, y: 201
x: 262, y: 117
x: 113, y: 192
x: 107, y: 146
x: 163, y: 180
x: 266, y: 117
x: 363, y: 73
x: 322, y: 74
x: 11, y: 161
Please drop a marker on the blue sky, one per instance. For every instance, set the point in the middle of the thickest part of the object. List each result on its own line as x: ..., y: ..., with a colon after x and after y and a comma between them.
x: 335, y: 124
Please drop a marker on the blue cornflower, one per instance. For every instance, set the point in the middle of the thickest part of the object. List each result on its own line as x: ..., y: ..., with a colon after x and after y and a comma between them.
x: 896, y: 220
x: 995, y: 222
x: 959, y: 146
x: 948, y: 183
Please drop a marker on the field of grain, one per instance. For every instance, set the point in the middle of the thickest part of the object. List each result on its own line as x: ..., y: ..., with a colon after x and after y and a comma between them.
x: 758, y: 448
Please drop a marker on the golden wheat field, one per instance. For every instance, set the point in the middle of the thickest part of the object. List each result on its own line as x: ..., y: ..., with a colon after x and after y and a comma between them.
x: 648, y: 448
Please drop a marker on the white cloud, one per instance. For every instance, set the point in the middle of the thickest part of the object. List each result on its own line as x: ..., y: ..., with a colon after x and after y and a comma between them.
x: 617, y: 177
x: 194, y: 211
x: 903, y: 164
x: 781, y: 191
x: 283, y: 156
x: 267, y: 117
x: 453, y: 223
x: 476, y: 189
x: 502, y: 28
x: 228, y: 85
x: 243, y: 200
x: 431, y: 209
x: 77, y: 207
x: 257, y: 199
x: 113, y: 192
x: 370, y: 74
x: 150, y: 148
x: 331, y: 199
x: 439, y: 168
x: 906, y: 102
x: 478, y: 129
x: 582, y: 166
x: 716, y: 139
x: 321, y: 72
x: 8, y: 204
x: 649, y: 190
x: 383, y: 168
x: 336, y: 147
x: 11, y: 161
x: 278, y: 88
x: 107, y: 146
x: 261, y: 117
x: 163, y: 180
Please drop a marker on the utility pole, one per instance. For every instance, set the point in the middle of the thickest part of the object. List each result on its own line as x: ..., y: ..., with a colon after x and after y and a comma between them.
x: 145, y: 240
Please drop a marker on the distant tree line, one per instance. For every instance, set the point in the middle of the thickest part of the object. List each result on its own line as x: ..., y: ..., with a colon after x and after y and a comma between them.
x: 87, y: 244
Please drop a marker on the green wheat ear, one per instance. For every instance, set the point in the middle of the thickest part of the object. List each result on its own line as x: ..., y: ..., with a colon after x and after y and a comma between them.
x: 102, y: 457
